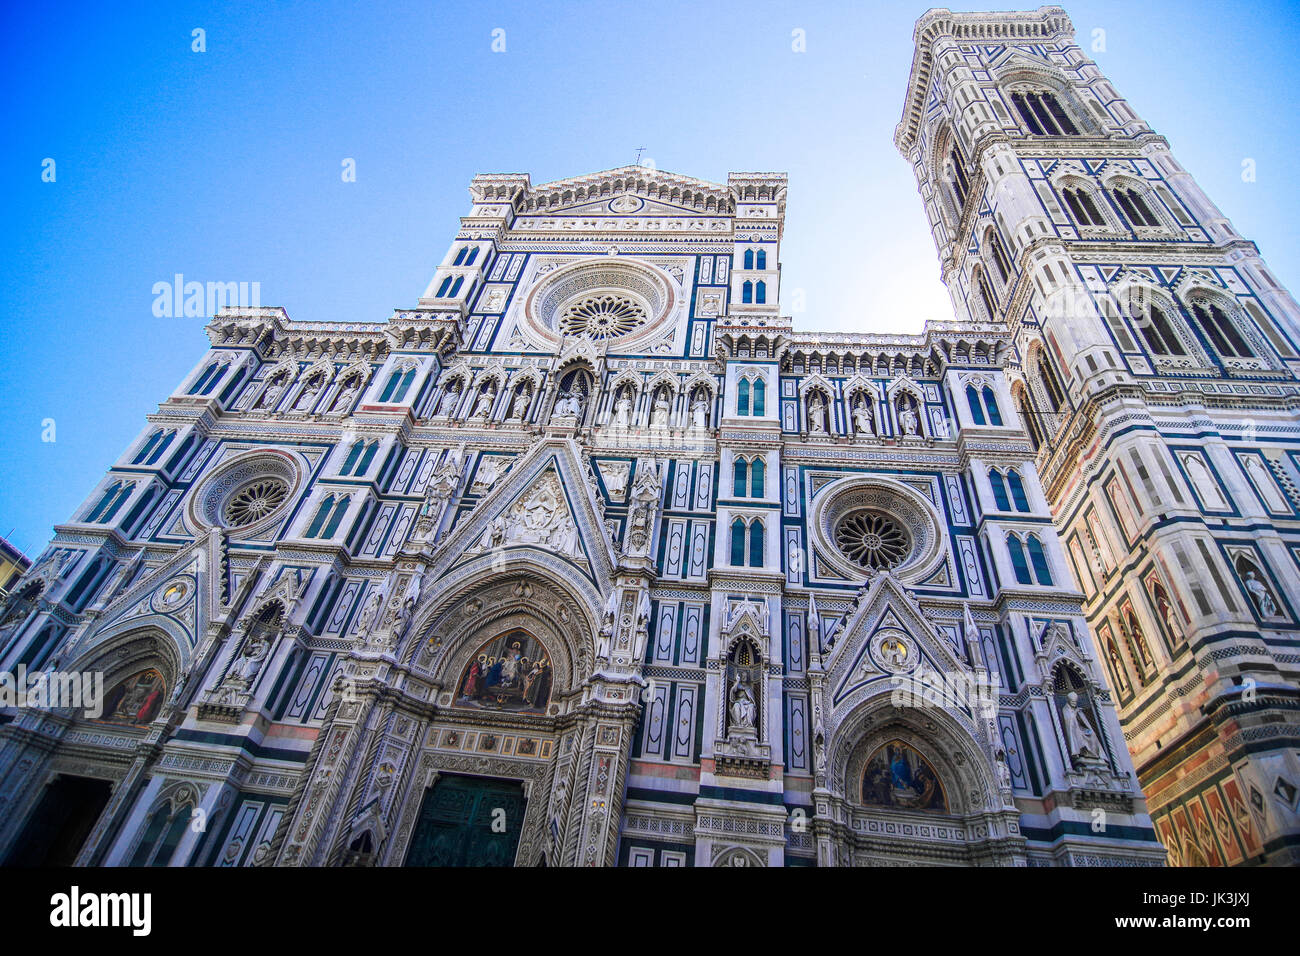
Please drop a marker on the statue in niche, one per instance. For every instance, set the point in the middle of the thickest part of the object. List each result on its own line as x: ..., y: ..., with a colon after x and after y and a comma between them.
x: 1260, y: 595
x: 483, y: 406
x: 623, y: 410
x: 1080, y: 738
x: 307, y: 397
x: 699, y: 411
x: 272, y: 393
x: 908, y: 421
x: 607, y: 625
x: 659, y: 414
x: 450, y: 398
x: 489, y: 471
x: 816, y: 414
x: 743, y: 711
x: 246, y: 669
x: 863, y: 420
x: 519, y: 410
x: 568, y: 405
x: 366, y: 619
x: 441, y: 487
x: 494, y: 535
x: 345, y: 396
x: 641, y: 512
x: 1166, y: 609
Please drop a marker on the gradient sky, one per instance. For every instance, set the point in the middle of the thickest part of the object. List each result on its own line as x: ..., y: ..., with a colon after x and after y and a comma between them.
x: 225, y: 165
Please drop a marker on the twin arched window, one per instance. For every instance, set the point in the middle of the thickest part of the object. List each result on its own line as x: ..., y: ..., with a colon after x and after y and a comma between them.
x: 999, y: 255
x: 1043, y: 114
x: 450, y: 287
x: 328, y: 516
x: 753, y: 293
x: 398, y: 384
x: 748, y: 478
x: 751, y: 397
x: 1011, y: 482
x: 1037, y: 560
x: 747, y: 541
x: 1135, y: 206
x: 359, y: 458
x: 154, y: 447
x: 983, y: 406
x: 466, y: 256
x: 208, y: 380
x: 1082, y: 206
x: 755, y: 259
x: 112, y: 500
x: 1221, y: 330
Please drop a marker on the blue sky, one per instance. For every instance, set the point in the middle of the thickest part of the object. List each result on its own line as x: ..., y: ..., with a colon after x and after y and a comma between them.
x: 225, y: 165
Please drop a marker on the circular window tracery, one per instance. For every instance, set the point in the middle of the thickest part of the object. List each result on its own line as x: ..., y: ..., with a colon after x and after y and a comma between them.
x: 872, y: 539
x: 863, y: 525
x: 602, y: 316
x: 254, y: 501
x: 246, y: 493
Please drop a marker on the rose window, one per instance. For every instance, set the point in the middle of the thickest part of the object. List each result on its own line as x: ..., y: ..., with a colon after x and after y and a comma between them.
x: 602, y: 316
x: 255, y: 501
x: 872, y: 539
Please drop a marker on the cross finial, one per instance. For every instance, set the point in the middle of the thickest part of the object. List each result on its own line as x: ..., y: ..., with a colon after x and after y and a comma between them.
x: 639, y: 151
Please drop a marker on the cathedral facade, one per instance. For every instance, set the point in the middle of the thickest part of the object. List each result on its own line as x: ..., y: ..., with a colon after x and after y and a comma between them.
x: 591, y: 558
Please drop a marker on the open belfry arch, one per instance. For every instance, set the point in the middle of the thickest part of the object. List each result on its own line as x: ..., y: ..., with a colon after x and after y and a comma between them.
x: 590, y: 558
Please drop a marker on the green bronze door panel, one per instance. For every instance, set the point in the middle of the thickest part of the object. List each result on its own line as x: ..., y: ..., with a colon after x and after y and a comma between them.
x: 468, y: 821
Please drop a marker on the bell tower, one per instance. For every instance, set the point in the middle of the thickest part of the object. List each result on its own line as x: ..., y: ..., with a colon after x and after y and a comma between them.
x: 1155, y: 372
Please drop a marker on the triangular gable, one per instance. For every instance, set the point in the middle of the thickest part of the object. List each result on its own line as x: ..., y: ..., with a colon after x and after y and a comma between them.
x: 885, y: 637
x: 533, y: 506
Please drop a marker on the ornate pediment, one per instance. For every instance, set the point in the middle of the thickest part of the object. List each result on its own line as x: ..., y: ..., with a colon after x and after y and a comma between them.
x: 544, y: 502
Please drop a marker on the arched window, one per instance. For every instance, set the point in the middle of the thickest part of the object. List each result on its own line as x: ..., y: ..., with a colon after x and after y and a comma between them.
x: 1043, y: 114
x: 455, y: 286
x: 756, y: 479
x: 460, y: 257
x: 148, y: 447
x: 749, y: 258
x: 1154, y: 325
x: 368, y: 457
x: 1221, y: 330
x: 322, y: 513
x: 1039, y: 560
x: 162, y: 447
x: 986, y: 295
x: 976, y: 411
x: 197, y: 387
x: 1017, y: 487
x: 742, y: 397
x: 1083, y: 207
x: 473, y: 254
x: 760, y: 394
x: 1000, y: 260
x: 991, y: 406
x: 1047, y: 375
x: 747, y: 292
x: 212, y: 382
x: 137, y: 511
x: 738, y: 542
x: 1030, y: 419
x: 113, y: 499
x: 340, y: 508
x: 1018, y: 561
x: 397, y: 385
x: 760, y: 292
x: 353, y: 455
x: 999, y: 490
x: 756, y: 544
x: 445, y: 287
x: 960, y: 185
x: 394, y: 379
x: 1135, y: 207
x: 179, y: 457
x: 739, y: 477
x: 229, y: 390
x: 760, y: 259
